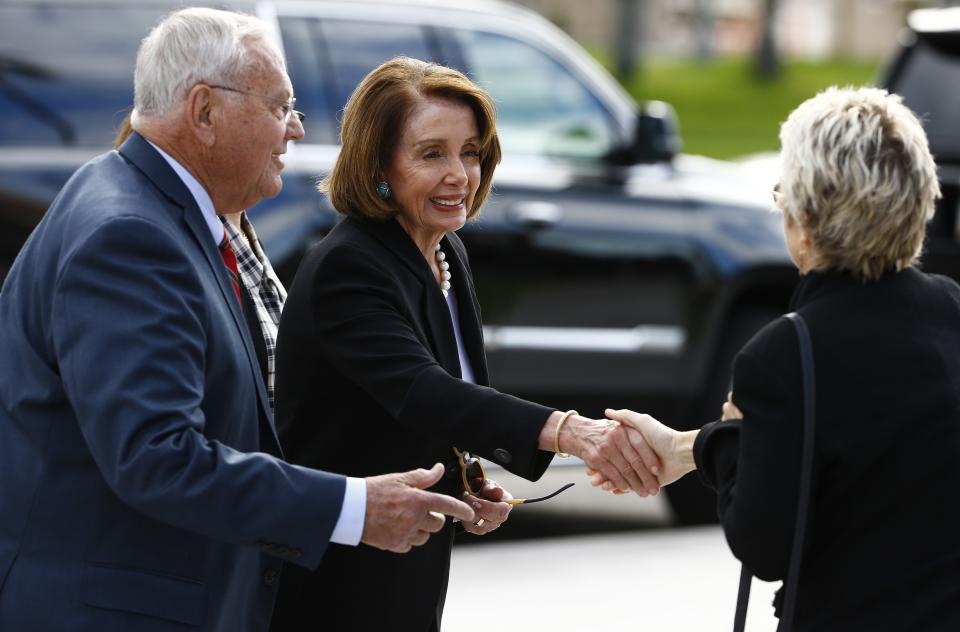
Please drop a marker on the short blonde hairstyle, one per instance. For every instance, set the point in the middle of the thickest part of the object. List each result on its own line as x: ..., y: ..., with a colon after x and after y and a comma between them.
x: 857, y: 173
x: 373, y: 123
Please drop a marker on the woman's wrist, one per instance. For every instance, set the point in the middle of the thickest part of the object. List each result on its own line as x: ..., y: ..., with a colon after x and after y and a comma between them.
x: 564, y: 441
x: 683, y: 450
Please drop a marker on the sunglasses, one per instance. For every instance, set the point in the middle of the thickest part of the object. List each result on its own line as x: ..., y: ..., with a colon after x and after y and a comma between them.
x: 474, y: 478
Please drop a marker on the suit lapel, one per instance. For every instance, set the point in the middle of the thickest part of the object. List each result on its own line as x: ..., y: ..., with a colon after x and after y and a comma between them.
x: 438, y: 326
x: 471, y: 325
x: 139, y: 152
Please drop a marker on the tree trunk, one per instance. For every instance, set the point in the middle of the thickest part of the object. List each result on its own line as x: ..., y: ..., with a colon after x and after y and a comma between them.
x: 767, y: 60
x: 704, y: 21
x: 627, y: 39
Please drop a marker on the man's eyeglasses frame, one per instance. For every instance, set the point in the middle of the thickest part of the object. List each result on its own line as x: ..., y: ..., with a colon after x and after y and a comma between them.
x: 288, y: 108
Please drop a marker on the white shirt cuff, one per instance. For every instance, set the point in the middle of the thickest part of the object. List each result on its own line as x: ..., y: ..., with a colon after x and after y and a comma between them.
x: 349, y: 527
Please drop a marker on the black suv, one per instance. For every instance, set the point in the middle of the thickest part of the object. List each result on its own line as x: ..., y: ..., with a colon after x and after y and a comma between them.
x: 925, y: 71
x: 611, y: 270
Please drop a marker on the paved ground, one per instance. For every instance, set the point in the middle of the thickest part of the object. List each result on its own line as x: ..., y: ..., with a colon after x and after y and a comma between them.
x: 667, y: 579
x: 596, y: 563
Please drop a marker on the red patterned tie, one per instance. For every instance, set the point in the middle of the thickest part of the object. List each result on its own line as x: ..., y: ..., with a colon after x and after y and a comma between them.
x: 230, y: 260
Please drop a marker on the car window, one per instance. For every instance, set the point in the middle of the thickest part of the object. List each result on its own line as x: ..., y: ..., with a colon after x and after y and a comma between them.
x: 930, y: 85
x: 327, y: 58
x: 542, y: 107
x: 66, y: 73
x: 309, y: 72
x: 356, y: 48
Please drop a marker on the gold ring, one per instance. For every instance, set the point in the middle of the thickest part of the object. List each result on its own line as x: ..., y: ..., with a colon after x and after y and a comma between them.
x: 479, y: 523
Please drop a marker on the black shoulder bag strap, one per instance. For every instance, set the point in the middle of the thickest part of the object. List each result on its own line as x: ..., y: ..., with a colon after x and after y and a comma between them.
x: 803, y: 502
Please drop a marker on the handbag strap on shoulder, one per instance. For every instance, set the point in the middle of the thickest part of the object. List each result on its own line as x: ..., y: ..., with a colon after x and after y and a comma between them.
x: 803, y: 501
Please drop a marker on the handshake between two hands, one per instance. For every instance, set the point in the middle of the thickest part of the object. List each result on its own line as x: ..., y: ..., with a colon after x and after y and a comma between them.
x: 664, y: 453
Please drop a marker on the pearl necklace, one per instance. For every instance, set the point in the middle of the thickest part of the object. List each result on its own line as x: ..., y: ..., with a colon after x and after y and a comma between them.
x: 444, y: 270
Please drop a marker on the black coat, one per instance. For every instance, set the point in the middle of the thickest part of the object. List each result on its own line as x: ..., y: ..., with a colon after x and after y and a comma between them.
x: 882, y: 550
x: 368, y: 383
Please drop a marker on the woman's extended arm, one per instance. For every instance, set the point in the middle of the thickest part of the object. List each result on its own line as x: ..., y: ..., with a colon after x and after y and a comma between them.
x: 373, y: 338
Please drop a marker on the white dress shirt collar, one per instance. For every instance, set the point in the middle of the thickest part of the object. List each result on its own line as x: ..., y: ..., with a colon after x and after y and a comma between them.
x: 199, y: 194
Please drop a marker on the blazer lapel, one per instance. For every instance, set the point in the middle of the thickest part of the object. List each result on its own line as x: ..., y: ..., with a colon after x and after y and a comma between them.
x: 471, y: 325
x: 139, y: 152
x: 438, y: 326
x: 144, y: 156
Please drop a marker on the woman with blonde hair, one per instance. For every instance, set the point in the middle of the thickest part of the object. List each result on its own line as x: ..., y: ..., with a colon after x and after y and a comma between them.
x: 881, y: 552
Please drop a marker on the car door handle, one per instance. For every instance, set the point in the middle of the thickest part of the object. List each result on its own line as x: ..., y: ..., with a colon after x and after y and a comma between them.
x: 534, y: 213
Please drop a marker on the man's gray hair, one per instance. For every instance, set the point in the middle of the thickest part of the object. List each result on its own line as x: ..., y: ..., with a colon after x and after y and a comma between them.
x: 188, y: 47
x: 856, y: 171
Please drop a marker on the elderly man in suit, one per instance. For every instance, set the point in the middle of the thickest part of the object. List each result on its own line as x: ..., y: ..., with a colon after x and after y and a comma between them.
x: 141, y: 484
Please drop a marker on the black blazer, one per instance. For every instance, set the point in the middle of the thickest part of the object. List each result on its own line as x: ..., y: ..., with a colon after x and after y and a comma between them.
x: 882, y: 550
x: 368, y: 383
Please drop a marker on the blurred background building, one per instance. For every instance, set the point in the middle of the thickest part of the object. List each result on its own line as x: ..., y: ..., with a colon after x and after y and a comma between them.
x: 812, y: 29
x: 733, y: 69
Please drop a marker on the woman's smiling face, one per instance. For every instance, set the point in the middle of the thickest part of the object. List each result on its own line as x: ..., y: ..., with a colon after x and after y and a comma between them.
x: 435, y: 170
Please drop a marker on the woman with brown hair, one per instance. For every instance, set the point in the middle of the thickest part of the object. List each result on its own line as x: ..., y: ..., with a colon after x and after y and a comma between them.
x: 380, y: 352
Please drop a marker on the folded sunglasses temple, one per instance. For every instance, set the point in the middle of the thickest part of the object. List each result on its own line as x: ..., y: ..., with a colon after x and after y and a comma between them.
x: 527, y: 501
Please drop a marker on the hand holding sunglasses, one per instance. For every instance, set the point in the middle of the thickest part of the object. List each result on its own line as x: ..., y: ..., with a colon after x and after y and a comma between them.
x: 476, y: 484
x: 474, y: 478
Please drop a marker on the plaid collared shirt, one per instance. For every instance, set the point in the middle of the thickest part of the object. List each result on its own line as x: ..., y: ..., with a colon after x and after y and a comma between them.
x: 264, y: 287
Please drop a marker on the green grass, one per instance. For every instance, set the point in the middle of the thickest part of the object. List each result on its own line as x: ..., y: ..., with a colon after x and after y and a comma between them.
x: 725, y: 110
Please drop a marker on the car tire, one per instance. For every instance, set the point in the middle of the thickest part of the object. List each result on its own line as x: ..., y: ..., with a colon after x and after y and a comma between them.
x: 693, y: 502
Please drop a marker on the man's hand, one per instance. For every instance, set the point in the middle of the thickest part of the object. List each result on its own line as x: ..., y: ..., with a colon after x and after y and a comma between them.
x: 401, y: 515
x: 618, y: 452
x: 674, y: 448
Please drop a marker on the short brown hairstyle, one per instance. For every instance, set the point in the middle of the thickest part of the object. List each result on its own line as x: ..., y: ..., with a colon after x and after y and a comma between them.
x: 373, y: 122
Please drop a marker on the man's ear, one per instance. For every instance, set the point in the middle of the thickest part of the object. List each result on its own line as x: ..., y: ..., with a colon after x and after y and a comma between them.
x: 201, y: 113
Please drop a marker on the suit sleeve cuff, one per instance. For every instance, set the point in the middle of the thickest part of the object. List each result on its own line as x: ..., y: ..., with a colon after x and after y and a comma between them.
x: 349, y: 527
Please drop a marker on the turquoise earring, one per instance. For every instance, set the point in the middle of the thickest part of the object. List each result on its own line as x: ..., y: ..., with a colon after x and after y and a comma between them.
x: 383, y: 190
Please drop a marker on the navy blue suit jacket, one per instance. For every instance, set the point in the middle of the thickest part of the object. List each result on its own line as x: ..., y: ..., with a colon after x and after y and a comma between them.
x: 138, y: 484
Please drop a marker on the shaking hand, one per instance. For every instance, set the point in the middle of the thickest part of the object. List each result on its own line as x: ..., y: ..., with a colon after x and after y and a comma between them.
x: 618, y: 452
x: 674, y: 448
